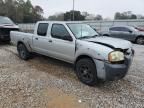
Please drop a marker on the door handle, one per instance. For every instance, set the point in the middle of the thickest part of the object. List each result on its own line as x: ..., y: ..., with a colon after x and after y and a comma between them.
x: 36, y: 38
x: 50, y: 41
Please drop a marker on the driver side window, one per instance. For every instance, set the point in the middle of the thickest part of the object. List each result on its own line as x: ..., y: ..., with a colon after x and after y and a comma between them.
x: 59, y: 31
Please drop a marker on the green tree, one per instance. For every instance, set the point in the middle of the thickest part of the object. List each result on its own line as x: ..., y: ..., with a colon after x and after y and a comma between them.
x: 133, y: 16
x: 37, y: 13
x: 77, y: 16
x: 57, y: 17
x: 125, y: 15
x: 98, y: 17
x: 117, y: 15
x: 21, y: 11
x: 2, y: 8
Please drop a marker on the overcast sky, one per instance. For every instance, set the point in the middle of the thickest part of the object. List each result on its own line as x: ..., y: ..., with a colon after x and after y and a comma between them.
x: 106, y: 8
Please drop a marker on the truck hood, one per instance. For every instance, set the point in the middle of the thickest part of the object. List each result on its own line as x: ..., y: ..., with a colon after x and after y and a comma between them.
x: 111, y: 42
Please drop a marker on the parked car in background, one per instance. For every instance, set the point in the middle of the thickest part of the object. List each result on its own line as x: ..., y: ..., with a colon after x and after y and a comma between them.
x: 6, y: 25
x: 126, y: 32
x: 97, y: 30
x: 94, y: 57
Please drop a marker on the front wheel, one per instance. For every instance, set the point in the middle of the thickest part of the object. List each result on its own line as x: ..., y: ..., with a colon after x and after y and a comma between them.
x: 23, y: 52
x: 140, y: 40
x: 86, y: 71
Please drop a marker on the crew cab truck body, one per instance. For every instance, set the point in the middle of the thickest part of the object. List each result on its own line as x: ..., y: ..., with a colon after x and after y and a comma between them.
x: 95, y: 57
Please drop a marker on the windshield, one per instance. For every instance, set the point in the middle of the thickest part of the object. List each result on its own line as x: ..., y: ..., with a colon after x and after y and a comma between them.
x: 5, y: 20
x: 82, y: 30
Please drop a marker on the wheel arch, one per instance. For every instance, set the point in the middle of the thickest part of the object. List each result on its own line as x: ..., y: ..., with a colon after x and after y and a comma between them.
x: 139, y: 37
x: 20, y: 42
x: 26, y: 45
x: 82, y: 57
x: 106, y: 35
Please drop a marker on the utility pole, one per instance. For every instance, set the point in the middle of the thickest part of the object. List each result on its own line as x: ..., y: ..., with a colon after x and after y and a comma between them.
x: 73, y: 10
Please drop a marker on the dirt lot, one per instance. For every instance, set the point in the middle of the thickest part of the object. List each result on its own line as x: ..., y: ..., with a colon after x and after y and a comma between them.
x: 43, y: 82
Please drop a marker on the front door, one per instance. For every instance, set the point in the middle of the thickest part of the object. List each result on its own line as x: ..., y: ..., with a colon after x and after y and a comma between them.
x: 62, y: 43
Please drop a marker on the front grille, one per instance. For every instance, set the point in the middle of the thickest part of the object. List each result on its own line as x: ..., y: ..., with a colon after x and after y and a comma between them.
x: 125, y: 51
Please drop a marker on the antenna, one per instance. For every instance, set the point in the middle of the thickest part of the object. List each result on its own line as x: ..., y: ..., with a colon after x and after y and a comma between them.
x: 73, y: 10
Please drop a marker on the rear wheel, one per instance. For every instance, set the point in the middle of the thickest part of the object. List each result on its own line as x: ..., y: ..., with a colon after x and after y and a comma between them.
x: 23, y: 52
x: 86, y: 71
x: 140, y: 40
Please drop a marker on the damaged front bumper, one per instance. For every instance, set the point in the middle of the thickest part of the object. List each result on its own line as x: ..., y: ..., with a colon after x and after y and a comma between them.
x: 110, y: 72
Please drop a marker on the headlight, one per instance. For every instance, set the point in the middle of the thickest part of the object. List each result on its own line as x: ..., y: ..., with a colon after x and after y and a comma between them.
x: 116, y: 56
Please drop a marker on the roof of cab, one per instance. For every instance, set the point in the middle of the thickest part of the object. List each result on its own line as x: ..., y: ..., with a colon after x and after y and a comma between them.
x: 60, y: 22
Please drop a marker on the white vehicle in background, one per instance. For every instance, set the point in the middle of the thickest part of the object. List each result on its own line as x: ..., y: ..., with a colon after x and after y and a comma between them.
x: 94, y: 57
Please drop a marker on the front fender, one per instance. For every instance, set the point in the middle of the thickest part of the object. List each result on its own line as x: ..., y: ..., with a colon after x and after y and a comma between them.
x: 93, y: 50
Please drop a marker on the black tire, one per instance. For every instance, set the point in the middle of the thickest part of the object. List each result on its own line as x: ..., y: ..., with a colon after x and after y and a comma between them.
x: 23, y: 52
x: 106, y: 35
x: 140, y: 40
x: 86, y: 71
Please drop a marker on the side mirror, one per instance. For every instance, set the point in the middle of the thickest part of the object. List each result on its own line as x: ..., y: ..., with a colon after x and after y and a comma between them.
x: 95, y: 29
x: 69, y: 38
x: 130, y: 31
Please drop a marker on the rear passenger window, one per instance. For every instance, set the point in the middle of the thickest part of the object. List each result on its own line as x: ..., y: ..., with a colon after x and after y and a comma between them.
x: 42, y: 29
x: 115, y: 29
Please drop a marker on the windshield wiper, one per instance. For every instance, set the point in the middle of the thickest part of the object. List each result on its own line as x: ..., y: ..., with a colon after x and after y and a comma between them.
x: 85, y: 37
x: 94, y: 36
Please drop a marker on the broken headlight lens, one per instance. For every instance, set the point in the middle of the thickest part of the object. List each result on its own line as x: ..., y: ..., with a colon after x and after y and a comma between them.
x: 116, y: 56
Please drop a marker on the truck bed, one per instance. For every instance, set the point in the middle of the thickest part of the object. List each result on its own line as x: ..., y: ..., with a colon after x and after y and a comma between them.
x: 26, y: 38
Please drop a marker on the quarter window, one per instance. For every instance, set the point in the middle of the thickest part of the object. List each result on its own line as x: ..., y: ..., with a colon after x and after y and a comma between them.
x: 42, y: 29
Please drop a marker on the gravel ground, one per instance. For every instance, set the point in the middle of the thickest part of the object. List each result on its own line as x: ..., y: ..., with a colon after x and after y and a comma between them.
x: 43, y: 82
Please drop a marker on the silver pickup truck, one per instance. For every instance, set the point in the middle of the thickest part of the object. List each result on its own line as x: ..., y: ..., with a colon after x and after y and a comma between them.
x: 94, y: 57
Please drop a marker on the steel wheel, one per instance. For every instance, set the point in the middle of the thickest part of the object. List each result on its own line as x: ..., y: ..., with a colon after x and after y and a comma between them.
x: 23, y: 52
x: 86, y: 71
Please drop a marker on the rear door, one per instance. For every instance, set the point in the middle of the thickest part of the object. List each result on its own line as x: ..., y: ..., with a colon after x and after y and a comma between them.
x: 41, y: 40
